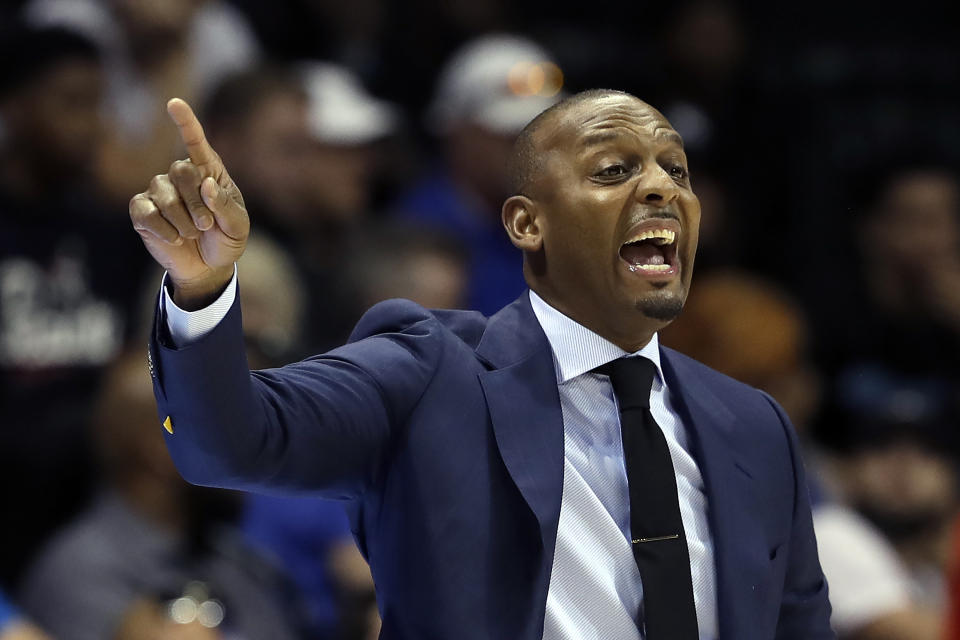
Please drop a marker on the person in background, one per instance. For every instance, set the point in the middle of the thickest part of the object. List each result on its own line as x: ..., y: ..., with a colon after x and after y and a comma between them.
x: 898, y: 307
x: 485, y: 94
x: 64, y: 304
x: 305, y: 140
x: 755, y: 332
x: 897, y: 466
x: 153, y: 554
x: 423, y: 264
x: 151, y: 50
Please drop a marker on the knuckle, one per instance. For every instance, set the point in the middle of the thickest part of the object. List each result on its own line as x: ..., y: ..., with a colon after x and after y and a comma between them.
x: 157, y: 181
x: 167, y: 200
x: 182, y: 170
x: 141, y: 206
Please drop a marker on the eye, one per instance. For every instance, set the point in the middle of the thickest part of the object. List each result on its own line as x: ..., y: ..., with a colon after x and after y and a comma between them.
x: 678, y: 172
x: 612, y: 171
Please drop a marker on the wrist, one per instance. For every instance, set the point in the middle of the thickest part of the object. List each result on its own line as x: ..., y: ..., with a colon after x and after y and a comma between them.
x: 192, y: 295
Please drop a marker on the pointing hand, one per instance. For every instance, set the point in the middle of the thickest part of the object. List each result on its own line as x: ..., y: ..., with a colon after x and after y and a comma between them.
x: 192, y: 219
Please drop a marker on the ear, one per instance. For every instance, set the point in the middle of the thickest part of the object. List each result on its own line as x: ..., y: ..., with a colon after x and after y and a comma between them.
x: 521, y: 220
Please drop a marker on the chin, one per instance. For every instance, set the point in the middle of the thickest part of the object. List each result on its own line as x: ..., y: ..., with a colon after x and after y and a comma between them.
x: 663, y: 305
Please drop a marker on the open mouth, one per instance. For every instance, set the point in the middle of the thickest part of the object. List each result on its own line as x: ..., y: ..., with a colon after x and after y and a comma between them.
x: 652, y: 250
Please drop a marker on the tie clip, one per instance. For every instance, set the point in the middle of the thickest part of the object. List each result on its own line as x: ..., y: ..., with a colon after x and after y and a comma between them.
x: 657, y: 539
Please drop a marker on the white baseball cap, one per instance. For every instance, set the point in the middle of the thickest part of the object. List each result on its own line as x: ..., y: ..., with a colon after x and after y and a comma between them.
x: 500, y: 82
x: 341, y: 111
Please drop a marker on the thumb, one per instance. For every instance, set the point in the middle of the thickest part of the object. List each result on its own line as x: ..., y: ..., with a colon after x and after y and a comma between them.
x: 230, y: 215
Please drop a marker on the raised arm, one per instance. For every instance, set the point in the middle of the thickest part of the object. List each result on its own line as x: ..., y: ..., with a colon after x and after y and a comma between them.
x: 321, y: 425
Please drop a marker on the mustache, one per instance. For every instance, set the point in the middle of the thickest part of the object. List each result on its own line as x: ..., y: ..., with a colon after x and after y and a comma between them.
x: 665, y: 215
x: 655, y: 215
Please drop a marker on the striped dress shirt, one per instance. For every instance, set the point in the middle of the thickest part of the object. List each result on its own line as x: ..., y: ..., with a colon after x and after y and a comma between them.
x: 595, y: 589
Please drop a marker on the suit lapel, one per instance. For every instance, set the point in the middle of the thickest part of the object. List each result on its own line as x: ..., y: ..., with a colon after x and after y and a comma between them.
x: 521, y: 393
x: 740, y: 551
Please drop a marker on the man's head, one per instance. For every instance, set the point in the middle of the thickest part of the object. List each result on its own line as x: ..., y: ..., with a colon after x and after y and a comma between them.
x: 257, y: 121
x: 300, y: 141
x: 913, y: 220
x: 51, y: 83
x: 488, y: 90
x: 346, y: 124
x: 604, y: 214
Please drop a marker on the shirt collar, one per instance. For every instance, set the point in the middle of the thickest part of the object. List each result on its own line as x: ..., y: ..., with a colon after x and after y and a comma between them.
x: 576, y: 349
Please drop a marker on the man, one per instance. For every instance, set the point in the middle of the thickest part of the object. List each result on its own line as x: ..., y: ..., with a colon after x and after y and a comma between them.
x: 481, y: 458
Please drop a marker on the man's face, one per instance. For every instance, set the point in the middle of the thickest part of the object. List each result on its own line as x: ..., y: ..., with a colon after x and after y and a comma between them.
x: 267, y: 154
x: 618, y: 219
x: 56, y: 121
x: 917, y: 225
x: 338, y: 180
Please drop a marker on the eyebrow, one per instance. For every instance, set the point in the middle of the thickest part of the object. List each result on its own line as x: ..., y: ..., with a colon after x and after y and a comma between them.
x: 600, y: 137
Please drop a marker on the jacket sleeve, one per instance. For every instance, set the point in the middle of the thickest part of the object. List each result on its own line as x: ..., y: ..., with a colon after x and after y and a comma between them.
x: 320, y: 425
x: 805, y: 607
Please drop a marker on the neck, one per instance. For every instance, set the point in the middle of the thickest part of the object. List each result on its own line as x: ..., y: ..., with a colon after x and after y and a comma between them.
x: 630, y: 338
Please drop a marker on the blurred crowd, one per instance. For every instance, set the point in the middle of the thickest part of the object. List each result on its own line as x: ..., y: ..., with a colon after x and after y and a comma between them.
x: 369, y: 139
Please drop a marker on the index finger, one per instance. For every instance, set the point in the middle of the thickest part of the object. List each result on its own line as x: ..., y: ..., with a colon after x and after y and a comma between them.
x: 191, y: 132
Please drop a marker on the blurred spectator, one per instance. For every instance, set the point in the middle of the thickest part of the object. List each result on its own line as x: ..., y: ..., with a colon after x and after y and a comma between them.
x: 749, y: 329
x: 152, y: 551
x: 153, y: 51
x: 63, y: 301
x: 409, y: 261
x: 301, y: 143
x: 14, y: 627
x: 901, y: 308
x: 487, y: 92
x: 274, y: 304
x: 898, y: 466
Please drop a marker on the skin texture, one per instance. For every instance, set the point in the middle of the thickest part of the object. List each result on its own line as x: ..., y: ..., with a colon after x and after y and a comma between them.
x: 605, y: 164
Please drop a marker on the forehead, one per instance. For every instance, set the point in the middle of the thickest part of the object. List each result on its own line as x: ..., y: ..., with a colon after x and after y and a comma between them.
x: 604, y: 118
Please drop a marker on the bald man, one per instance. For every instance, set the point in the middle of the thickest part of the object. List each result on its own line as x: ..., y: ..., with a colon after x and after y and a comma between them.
x: 506, y: 476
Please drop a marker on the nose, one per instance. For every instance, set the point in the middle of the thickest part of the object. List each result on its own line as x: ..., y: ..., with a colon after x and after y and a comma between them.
x: 656, y: 187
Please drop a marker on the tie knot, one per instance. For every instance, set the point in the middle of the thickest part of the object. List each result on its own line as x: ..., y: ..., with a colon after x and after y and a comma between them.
x: 632, y: 379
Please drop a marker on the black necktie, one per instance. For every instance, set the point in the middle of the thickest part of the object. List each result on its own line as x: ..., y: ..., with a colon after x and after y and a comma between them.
x: 657, y: 536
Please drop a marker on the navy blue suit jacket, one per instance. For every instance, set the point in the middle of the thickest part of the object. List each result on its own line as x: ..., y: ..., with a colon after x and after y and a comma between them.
x: 443, y: 431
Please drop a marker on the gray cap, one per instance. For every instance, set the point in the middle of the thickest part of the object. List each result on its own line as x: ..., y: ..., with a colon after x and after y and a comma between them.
x: 341, y: 111
x: 500, y: 82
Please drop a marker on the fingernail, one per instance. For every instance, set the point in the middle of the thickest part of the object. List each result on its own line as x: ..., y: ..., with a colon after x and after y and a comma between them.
x: 178, y: 241
x: 204, y: 223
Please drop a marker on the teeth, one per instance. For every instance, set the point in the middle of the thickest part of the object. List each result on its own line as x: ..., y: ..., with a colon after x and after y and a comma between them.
x: 661, y: 236
x: 650, y: 267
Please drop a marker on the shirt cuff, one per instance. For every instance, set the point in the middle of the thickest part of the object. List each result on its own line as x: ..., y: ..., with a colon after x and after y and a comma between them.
x: 186, y: 327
